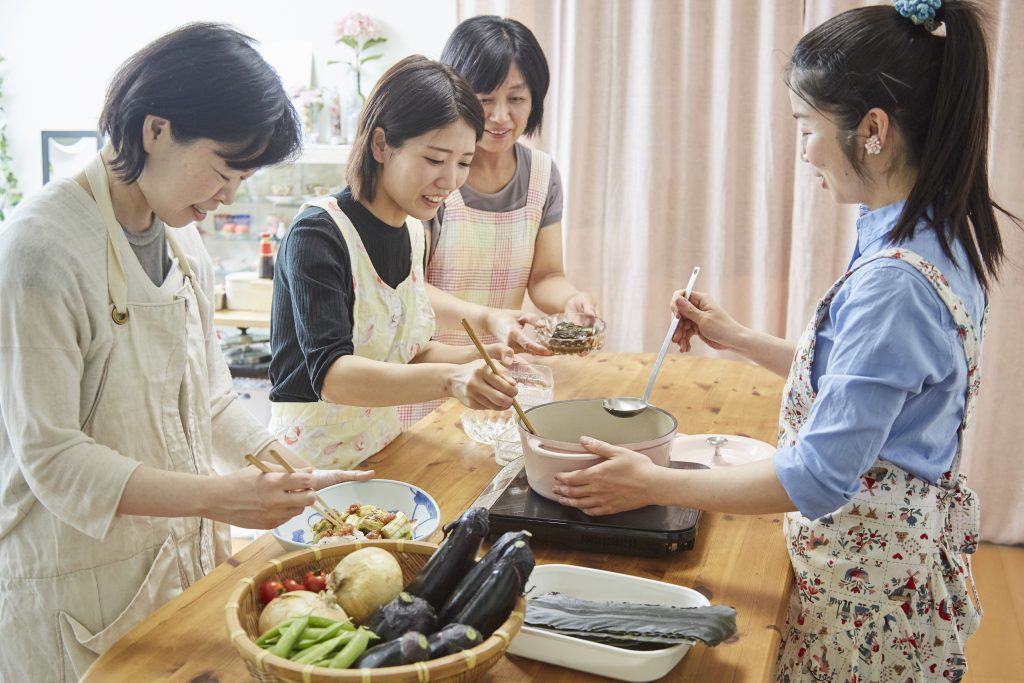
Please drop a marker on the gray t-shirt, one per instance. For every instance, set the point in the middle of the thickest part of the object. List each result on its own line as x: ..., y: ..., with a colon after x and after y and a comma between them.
x: 150, y: 247
x: 512, y: 196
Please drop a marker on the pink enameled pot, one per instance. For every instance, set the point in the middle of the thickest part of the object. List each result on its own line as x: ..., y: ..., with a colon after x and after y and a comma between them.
x: 556, y: 447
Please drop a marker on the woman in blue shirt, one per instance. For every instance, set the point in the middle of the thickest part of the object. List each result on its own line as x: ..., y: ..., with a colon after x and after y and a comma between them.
x: 892, y: 116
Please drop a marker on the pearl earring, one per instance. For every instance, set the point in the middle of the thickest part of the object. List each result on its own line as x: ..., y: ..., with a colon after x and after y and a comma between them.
x: 873, y: 145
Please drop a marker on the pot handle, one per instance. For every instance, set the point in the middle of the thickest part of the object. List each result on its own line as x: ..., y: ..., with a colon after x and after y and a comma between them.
x: 537, y: 447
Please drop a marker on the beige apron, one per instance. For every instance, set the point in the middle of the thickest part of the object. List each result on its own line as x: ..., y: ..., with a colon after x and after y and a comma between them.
x: 389, y: 325
x: 82, y: 594
x: 882, y: 586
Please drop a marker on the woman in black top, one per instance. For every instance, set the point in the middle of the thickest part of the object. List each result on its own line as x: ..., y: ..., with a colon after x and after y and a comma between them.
x: 351, y: 320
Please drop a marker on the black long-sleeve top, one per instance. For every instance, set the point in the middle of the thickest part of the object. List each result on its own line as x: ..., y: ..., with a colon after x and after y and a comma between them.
x: 314, y: 300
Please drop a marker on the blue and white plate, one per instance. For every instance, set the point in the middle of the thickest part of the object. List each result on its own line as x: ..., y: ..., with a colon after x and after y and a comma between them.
x: 393, y: 496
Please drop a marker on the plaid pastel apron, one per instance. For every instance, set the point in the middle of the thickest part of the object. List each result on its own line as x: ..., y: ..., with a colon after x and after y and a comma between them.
x: 388, y: 325
x: 485, y: 257
x: 882, y: 586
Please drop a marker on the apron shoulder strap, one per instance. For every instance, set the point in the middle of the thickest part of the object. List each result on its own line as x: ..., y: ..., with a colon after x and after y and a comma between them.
x: 117, y: 282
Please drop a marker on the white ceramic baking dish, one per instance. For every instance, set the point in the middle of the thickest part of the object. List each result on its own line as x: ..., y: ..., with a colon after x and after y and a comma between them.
x: 596, y: 658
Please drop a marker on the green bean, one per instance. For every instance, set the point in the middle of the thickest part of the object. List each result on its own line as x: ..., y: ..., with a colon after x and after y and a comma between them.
x: 326, y: 633
x: 283, y: 648
x: 352, y: 650
x: 272, y: 635
x: 320, y: 650
x: 323, y: 622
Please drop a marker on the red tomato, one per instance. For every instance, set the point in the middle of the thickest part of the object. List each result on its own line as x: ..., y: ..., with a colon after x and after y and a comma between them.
x: 270, y: 589
x: 315, y: 582
x: 293, y: 585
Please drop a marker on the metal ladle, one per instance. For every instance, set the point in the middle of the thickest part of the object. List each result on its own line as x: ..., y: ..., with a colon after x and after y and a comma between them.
x: 628, y: 406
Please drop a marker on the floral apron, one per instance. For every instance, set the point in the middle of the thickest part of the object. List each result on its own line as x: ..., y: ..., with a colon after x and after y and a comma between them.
x: 485, y: 257
x: 390, y: 325
x: 881, y: 591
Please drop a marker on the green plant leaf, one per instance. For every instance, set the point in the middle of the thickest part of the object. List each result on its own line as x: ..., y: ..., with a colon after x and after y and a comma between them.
x: 370, y: 42
x: 350, y: 41
x: 364, y: 60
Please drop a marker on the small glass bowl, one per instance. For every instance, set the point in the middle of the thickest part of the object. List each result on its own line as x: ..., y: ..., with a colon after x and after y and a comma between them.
x: 548, y: 332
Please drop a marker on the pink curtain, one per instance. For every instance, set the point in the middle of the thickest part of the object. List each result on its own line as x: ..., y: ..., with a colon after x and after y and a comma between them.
x: 672, y: 129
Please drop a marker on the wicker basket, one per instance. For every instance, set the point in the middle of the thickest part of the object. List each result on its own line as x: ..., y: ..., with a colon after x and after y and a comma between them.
x: 243, y: 611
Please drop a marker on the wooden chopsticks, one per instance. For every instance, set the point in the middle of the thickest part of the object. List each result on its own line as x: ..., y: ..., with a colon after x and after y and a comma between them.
x: 490, y: 364
x: 327, y: 512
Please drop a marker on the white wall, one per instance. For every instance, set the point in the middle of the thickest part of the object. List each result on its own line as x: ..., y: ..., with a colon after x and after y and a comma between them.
x: 61, y: 54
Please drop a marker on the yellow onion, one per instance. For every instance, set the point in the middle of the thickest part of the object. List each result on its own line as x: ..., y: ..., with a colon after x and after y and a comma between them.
x: 297, y: 604
x: 365, y: 580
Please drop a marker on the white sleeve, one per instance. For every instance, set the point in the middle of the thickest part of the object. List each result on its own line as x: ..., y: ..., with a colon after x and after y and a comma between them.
x: 42, y: 320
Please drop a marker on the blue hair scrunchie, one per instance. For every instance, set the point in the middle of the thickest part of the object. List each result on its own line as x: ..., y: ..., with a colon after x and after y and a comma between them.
x: 921, y: 12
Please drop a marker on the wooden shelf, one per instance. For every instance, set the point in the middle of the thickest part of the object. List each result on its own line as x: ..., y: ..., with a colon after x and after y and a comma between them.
x: 229, y: 317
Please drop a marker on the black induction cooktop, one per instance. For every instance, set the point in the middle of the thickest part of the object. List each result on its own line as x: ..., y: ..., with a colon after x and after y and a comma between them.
x: 652, y: 531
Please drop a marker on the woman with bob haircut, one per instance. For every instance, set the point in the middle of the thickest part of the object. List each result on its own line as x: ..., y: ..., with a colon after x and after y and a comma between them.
x: 114, y: 392
x: 351, y: 324
x: 880, y: 524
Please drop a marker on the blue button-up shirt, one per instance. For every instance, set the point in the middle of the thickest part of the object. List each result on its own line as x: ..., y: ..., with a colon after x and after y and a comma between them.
x: 889, y: 372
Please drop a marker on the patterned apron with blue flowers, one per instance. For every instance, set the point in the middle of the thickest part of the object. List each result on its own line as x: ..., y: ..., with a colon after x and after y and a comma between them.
x: 882, y: 586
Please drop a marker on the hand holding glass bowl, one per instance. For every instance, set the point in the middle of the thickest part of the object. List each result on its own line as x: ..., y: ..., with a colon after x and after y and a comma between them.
x: 536, y: 385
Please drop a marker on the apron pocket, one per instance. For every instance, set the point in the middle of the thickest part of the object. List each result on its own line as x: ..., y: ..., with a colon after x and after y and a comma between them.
x: 163, y: 581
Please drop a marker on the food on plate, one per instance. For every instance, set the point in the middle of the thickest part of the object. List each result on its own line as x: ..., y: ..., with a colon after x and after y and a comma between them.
x: 362, y: 521
x: 365, y: 580
x: 630, y: 625
x: 298, y: 603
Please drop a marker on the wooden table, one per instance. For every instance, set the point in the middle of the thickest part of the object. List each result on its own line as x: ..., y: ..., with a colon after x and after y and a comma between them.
x: 738, y: 560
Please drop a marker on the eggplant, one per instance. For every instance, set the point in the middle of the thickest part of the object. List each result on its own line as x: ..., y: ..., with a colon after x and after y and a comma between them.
x: 411, y: 647
x: 467, y: 587
x: 494, y: 599
x: 403, y: 614
x: 453, y: 558
x: 453, y: 638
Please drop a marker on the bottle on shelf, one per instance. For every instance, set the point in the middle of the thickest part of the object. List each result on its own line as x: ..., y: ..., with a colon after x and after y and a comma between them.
x: 266, y: 265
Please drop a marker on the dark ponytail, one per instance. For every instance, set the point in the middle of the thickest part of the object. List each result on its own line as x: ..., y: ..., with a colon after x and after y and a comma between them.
x: 936, y: 91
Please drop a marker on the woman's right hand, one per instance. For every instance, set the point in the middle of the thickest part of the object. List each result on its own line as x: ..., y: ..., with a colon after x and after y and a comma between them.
x: 251, y: 499
x: 702, y: 316
x: 475, y: 386
x: 510, y: 327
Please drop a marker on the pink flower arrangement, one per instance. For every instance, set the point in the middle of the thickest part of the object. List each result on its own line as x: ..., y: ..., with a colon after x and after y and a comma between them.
x: 359, y: 32
x: 357, y: 26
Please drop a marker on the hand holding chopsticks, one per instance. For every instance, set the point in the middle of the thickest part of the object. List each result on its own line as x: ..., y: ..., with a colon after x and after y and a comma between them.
x: 325, y: 510
x: 494, y: 369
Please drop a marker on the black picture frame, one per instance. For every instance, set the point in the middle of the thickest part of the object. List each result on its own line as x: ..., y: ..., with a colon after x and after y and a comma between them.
x: 53, y: 140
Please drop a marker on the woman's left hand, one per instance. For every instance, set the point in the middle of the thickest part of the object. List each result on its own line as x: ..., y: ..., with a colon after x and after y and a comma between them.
x: 324, y: 478
x: 626, y: 480
x: 581, y: 302
x: 321, y: 478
